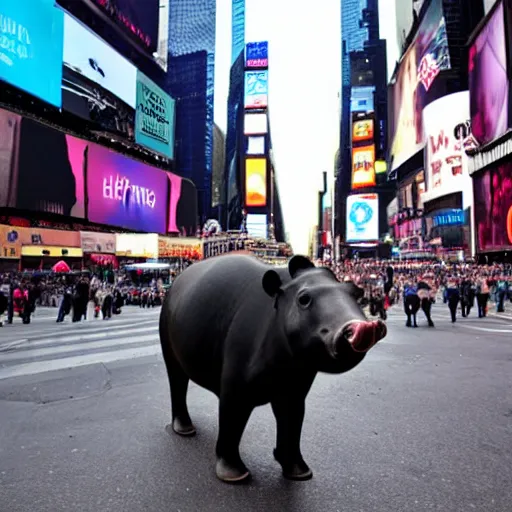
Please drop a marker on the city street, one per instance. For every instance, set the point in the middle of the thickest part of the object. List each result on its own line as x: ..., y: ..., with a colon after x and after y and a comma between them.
x: 424, y: 423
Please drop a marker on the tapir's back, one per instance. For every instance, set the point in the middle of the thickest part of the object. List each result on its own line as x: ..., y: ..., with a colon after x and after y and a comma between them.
x: 201, y: 306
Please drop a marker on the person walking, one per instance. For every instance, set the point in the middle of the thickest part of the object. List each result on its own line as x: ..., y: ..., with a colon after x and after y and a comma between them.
x: 452, y: 297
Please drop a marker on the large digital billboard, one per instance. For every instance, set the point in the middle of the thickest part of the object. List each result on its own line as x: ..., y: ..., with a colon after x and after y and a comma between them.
x: 255, y: 124
x: 426, y: 57
x: 126, y: 193
x: 363, y: 167
x: 255, y: 182
x: 31, y: 41
x: 362, y: 218
x: 256, y: 55
x: 448, y: 137
x: 154, y: 121
x: 362, y: 99
x: 256, y: 89
x: 41, y: 169
x: 91, y: 57
x: 257, y: 225
x: 139, y: 19
x: 493, y: 208
x: 362, y: 130
x: 488, y: 81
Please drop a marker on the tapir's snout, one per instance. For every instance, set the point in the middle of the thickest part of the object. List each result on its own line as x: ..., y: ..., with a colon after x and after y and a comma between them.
x: 362, y: 335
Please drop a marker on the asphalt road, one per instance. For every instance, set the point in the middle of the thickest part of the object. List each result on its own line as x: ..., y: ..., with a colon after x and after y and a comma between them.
x: 424, y: 423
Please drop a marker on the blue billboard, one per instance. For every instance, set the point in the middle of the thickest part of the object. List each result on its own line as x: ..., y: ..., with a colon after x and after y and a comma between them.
x: 256, y: 89
x: 256, y: 55
x: 154, y: 118
x: 31, y: 46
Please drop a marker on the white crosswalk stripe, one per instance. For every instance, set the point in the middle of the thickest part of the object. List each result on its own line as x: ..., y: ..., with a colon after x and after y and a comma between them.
x: 60, y: 347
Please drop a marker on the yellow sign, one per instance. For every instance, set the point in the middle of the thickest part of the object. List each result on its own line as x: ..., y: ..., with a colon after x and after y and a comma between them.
x: 10, y: 244
x: 51, y: 251
x: 189, y: 248
x: 256, y: 182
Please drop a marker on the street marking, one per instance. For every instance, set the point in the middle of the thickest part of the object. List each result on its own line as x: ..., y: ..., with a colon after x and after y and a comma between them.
x: 74, y: 362
x: 486, y: 329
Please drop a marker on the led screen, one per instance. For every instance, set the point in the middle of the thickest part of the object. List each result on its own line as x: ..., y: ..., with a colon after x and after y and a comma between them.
x: 31, y: 41
x: 426, y: 57
x: 448, y: 137
x: 126, y: 193
x: 256, y: 182
x: 256, y: 89
x: 255, y: 145
x: 89, y: 56
x: 362, y: 218
x: 362, y: 130
x: 257, y: 225
x: 361, y: 99
x: 154, y: 121
x: 363, y: 167
x: 493, y: 208
x: 255, y: 124
x: 488, y: 82
x: 256, y: 55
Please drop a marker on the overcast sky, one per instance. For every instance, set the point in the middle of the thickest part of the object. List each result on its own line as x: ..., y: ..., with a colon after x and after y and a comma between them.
x: 304, y: 83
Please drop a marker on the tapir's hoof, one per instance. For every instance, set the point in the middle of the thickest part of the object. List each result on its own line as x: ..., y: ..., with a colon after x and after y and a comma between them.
x: 231, y: 473
x: 183, y: 428
x: 298, y: 471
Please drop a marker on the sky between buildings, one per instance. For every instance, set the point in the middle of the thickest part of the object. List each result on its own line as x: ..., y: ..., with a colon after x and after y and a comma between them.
x: 304, y: 84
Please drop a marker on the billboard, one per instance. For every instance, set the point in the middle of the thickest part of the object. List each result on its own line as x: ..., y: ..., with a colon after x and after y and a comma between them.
x: 255, y: 182
x: 493, y: 208
x: 41, y: 169
x: 413, y: 87
x: 137, y: 245
x: 126, y: 193
x: 92, y: 58
x: 363, y: 167
x: 31, y: 43
x: 255, y: 124
x: 138, y: 19
x: 448, y: 136
x: 256, y: 55
x: 256, y: 145
x: 488, y: 81
x: 256, y: 224
x: 94, y: 242
x: 362, y: 130
x: 362, y: 218
x: 182, y: 213
x: 154, y: 120
x: 256, y: 89
x: 362, y: 99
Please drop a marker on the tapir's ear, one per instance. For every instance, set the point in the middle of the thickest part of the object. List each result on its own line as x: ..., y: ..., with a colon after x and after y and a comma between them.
x: 354, y: 290
x: 271, y: 283
x: 298, y: 263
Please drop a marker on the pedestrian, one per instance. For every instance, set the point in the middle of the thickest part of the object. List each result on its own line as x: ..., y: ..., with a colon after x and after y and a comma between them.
x: 452, y: 297
x: 411, y: 304
x: 482, y: 296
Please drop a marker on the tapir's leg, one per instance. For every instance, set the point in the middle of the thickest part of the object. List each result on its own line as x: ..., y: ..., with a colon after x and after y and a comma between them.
x: 234, y: 413
x: 178, y: 380
x: 289, y: 410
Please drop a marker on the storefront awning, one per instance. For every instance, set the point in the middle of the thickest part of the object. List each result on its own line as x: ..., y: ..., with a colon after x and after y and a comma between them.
x: 51, y: 251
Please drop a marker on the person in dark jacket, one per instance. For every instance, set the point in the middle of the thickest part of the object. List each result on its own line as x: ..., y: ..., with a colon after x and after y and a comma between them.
x: 452, y: 297
x: 467, y: 297
x: 411, y: 304
x: 426, y: 296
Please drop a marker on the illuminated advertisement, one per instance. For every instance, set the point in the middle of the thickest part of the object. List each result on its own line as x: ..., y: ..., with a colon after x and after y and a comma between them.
x: 31, y: 42
x: 255, y: 124
x: 137, y: 245
x: 41, y: 169
x: 182, y: 216
x: 448, y: 134
x: 124, y: 192
x: 256, y: 182
x: 488, y: 82
x: 255, y: 145
x: 493, y: 209
x: 363, y: 167
x: 10, y: 245
x: 427, y: 56
x: 256, y: 89
x: 256, y: 55
x: 257, y: 225
x: 138, y: 19
x: 89, y: 56
x: 361, y: 99
x: 362, y: 218
x: 94, y: 242
x: 154, y: 121
x: 362, y: 130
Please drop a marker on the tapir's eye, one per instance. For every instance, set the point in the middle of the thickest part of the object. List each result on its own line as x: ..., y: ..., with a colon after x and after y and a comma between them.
x: 304, y: 300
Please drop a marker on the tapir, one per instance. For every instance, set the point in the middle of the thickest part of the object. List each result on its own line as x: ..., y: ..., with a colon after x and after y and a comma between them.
x: 255, y: 334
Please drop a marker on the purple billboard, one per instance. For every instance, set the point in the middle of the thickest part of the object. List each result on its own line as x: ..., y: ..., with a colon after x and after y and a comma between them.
x: 126, y: 193
x: 488, y: 81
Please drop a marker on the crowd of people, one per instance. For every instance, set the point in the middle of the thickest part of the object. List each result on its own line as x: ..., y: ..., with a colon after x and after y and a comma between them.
x: 75, y: 294
x: 417, y: 285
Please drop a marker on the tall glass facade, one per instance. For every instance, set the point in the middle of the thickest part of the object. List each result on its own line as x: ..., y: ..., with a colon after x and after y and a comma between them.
x: 190, y: 79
